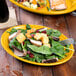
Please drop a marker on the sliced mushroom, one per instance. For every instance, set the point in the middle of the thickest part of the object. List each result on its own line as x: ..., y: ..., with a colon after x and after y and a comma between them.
x: 25, y: 52
x: 37, y: 43
x: 18, y: 53
x: 14, y: 34
x: 50, y: 60
x: 15, y: 47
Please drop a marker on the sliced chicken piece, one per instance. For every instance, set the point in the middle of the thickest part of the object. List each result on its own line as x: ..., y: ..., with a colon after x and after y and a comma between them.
x: 58, y: 4
x: 43, y: 29
x: 37, y: 43
x: 14, y: 34
x: 50, y: 60
x: 45, y: 40
x: 43, y: 37
x: 37, y: 36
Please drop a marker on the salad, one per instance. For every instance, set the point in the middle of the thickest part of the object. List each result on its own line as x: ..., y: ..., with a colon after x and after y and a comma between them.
x: 34, y: 4
x: 41, y: 45
x: 49, y: 4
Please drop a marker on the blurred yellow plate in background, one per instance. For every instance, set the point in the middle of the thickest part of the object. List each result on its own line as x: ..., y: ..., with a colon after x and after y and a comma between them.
x: 5, y: 44
x: 71, y: 6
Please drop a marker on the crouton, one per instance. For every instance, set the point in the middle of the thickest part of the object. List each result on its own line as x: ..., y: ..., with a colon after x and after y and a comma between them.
x: 14, y: 34
x: 28, y: 35
x: 20, y: 37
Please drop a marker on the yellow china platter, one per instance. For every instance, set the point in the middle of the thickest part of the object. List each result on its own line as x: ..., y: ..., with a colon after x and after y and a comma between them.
x: 5, y: 44
x: 71, y: 6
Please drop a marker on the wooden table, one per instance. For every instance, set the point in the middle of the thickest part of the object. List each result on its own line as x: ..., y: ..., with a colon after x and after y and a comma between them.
x: 10, y: 66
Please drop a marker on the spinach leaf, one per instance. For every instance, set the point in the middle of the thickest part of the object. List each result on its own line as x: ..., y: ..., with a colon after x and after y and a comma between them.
x: 50, y: 57
x: 48, y: 9
x: 33, y: 33
x: 16, y: 0
x: 49, y: 32
x: 57, y: 49
x: 23, y: 47
x: 27, y: 42
x: 15, y: 30
x: 28, y: 27
x: 67, y: 50
x: 38, y: 57
x: 28, y: 58
x: 23, y: 31
x: 12, y: 31
x: 14, y: 42
x: 54, y: 33
x: 43, y: 49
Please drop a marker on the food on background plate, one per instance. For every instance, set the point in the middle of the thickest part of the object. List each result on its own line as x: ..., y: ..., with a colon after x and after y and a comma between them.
x: 43, y: 46
x: 58, y: 4
x: 38, y: 4
x: 34, y: 4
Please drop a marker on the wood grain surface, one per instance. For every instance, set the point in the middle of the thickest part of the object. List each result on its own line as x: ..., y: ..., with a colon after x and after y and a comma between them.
x: 10, y: 66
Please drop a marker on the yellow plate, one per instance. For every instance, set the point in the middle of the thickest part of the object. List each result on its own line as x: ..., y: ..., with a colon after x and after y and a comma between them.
x: 71, y: 6
x: 5, y: 44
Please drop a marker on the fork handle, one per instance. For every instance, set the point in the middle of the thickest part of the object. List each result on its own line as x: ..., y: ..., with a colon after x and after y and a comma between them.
x: 74, y: 13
